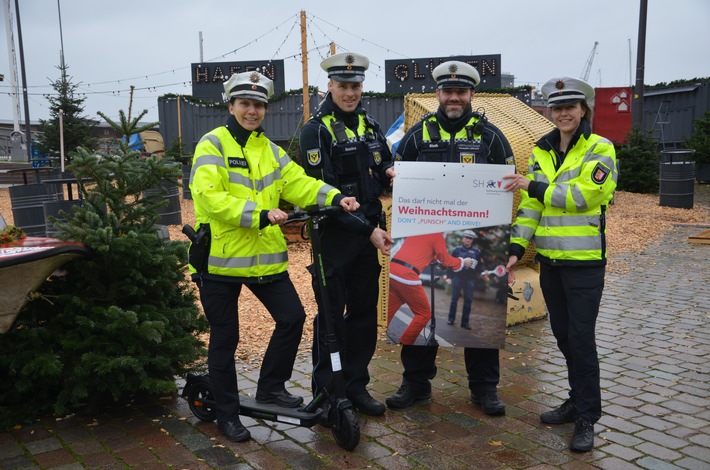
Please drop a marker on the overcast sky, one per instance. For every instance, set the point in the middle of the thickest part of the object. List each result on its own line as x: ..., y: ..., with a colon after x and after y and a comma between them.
x: 150, y: 44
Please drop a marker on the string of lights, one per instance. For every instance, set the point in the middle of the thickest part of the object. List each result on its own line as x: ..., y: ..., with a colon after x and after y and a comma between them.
x: 89, y: 89
x: 293, y: 26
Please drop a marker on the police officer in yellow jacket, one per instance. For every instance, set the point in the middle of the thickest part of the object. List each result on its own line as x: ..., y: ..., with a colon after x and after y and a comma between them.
x: 238, y: 179
x: 343, y: 146
x: 571, y: 178
x: 454, y: 133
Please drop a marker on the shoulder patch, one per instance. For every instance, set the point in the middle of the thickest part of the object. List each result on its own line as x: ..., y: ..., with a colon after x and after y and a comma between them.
x: 378, y: 157
x: 314, y: 157
x: 600, y: 173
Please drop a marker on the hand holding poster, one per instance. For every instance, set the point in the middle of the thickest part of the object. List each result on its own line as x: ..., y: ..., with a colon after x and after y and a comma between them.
x: 451, y: 224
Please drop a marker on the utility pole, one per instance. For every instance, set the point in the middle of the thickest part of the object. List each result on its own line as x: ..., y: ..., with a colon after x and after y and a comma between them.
x: 64, y: 81
x: 637, y: 101
x: 28, y: 129
x: 202, y: 59
x: 304, y: 66
x: 15, y: 91
x: 61, y: 43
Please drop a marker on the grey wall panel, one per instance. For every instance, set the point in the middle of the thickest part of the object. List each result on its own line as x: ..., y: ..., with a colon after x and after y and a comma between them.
x: 283, y: 118
x: 684, y: 104
x: 280, y: 124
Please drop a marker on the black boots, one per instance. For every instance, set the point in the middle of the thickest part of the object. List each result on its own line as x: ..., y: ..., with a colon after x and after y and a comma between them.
x: 405, y: 397
x: 583, y: 437
x: 490, y: 403
x: 567, y: 413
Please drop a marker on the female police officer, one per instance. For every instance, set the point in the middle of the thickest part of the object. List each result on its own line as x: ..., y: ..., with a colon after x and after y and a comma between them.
x: 571, y: 179
x: 238, y: 179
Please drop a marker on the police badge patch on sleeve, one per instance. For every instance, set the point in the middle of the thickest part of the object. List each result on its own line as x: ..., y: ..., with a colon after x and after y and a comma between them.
x: 600, y: 173
x: 314, y: 158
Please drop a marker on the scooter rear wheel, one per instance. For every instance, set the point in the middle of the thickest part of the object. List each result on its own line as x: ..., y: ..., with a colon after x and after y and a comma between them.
x: 200, y: 400
x: 346, y: 429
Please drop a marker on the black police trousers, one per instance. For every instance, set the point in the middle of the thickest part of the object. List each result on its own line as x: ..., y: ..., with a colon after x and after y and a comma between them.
x: 419, y: 362
x: 220, y: 303
x: 352, y: 280
x: 573, y: 295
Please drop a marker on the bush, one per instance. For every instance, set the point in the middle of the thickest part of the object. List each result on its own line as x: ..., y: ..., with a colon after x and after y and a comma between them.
x: 118, y: 323
x: 638, y: 159
x: 700, y: 140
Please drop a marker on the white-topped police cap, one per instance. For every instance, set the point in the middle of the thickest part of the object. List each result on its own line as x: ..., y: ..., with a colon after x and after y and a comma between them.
x: 468, y: 234
x: 456, y: 74
x: 566, y: 90
x: 346, y: 67
x: 250, y: 85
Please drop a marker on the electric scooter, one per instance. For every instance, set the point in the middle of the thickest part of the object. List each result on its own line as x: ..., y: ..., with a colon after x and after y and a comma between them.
x: 340, y: 413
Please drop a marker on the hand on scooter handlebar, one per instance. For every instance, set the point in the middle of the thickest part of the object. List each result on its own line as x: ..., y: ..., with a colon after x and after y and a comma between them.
x: 277, y: 217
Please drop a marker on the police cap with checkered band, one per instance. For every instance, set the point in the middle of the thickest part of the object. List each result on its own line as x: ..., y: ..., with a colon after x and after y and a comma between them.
x: 567, y: 90
x: 346, y: 67
x: 249, y: 85
x: 456, y: 74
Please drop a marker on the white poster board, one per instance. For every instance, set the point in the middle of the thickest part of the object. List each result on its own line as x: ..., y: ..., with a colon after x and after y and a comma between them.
x: 441, y: 211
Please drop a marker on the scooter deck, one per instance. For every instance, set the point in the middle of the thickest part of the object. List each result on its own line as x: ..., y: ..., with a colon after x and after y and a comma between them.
x: 272, y: 412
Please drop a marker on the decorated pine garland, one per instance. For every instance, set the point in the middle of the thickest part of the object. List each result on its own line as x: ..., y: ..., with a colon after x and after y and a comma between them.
x: 10, y: 234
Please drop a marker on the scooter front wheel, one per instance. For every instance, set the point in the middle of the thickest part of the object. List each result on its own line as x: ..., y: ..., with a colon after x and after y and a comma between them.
x: 345, y: 428
x: 201, y: 401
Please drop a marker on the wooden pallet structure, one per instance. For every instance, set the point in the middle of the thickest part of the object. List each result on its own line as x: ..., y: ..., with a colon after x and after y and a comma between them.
x: 702, y: 238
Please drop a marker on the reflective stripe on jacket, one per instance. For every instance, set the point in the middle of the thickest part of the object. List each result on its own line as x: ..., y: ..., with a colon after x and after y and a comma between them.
x: 232, y: 185
x: 569, y: 227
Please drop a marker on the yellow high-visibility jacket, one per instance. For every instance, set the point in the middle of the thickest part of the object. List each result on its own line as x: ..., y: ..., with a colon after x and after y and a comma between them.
x: 231, y: 186
x: 564, y: 209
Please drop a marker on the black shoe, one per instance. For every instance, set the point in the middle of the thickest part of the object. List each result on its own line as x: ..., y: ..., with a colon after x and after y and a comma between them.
x: 450, y: 322
x: 567, y: 413
x: 405, y: 397
x: 466, y: 327
x: 367, y: 405
x: 282, y: 398
x: 490, y: 403
x: 234, y: 431
x: 583, y: 437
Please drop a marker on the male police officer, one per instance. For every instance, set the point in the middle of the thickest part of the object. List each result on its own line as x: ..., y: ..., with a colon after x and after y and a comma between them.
x: 464, y: 280
x: 343, y: 146
x: 455, y: 133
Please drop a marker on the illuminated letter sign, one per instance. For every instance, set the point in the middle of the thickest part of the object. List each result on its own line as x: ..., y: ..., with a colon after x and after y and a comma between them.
x: 414, y: 75
x: 208, y: 77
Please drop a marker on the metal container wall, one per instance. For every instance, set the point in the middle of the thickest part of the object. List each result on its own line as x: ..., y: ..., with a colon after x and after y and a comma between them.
x: 281, y: 124
x: 685, y: 104
x: 27, y: 206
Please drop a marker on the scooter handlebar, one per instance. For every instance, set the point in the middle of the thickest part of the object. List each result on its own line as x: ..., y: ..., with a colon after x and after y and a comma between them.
x: 314, y: 211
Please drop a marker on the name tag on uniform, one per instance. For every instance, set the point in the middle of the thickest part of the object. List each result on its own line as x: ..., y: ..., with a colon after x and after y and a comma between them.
x: 237, y: 162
